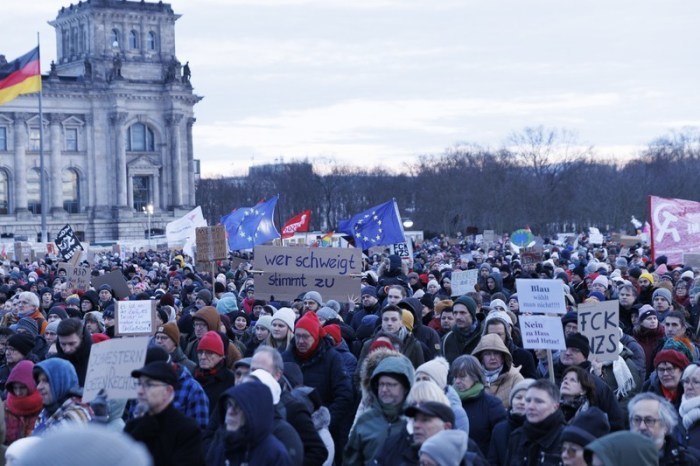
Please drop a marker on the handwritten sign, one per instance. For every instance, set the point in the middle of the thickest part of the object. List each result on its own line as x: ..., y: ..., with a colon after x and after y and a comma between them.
x: 542, y: 332
x: 77, y: 277
x: 540, y: 296
x: 463, y: 281
x: 287, y: 272
x: 110, y: 366
x: 211, y: 243
x: 599, y: 323
x: 530, y: 258
x: 135, y: 317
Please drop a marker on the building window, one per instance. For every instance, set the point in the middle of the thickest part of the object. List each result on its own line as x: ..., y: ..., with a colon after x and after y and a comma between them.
x: 4, y: 193
x: 142, y: 191
x: 115, y: 37
x: 71, y: 136
x: 71, y: 191
x: 33, y: 191
x: 133, y: 40
x: 140, y: 138
x: 34, y: 139
x: 3, y: 139
x: 151, y: 40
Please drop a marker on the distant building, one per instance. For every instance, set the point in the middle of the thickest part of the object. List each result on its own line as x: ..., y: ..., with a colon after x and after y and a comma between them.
x: 118, y: 116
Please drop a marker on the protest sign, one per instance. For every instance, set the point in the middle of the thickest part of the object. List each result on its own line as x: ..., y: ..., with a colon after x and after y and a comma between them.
x: 116, y: 280
x: 542, y: 332
x: 67, y: 243
x: 287, y: 272
x: 110, y: 366
x: 211, y: 243
x: 463, y: 281
x: 77, y: 277
x: 530, y: 258
x: 541, y: 296
x: 599, y: 323
x: 489, y: 236
x: 135, y: 317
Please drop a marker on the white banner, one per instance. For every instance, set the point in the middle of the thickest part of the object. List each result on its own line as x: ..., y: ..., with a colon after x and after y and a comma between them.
x: 178, y: 231
x: 542, y: 332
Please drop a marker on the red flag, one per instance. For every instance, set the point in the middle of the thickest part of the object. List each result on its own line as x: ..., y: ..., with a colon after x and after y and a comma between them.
x: 299, y: 222
x: 675, y: 228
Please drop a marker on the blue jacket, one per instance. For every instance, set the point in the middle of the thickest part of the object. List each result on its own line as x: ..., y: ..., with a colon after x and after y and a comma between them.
x: 253, y: 444
x: 484, y: 412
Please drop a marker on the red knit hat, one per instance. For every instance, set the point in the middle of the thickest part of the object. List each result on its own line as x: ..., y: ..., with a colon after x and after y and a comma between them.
x: 98, y: 338
x: 334, y: 331
x: 211, y: 341
x: 311, y: 324
x: 670, y: 356
x: 381, y: 344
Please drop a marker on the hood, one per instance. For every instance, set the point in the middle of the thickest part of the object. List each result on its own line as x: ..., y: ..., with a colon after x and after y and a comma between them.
x: 258, y: 415
x: 61, y: 375
x: 414, y: 305
x: 395, y: 265
x: 623, y: 447
x: 395, y: 365
x: 498, y: 279
x: 91, y: 296
x: 22, y: 373
x: 370, y: 364
x: 493, y: 342
x: 209, y: 315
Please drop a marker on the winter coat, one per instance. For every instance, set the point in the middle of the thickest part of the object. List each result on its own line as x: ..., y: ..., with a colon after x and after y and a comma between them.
x: 299, y: 415
x: 675, y: 454
x: 649, y: 339
x: 484, y: 412
x: 608, y: 376
x: 653, y: 385
x: 500, y: 438
x: 690, y: 417
x: 461, y: 418
x: 21, y: 412
x: 375, y: 425
x: 410, y: 347
x: 79, y: 359
x: 215, y: 382
x: 537, y: 444
x: 322, y: 419
x: 171, y: 437
x: 363, y: 376
x: 638, y: 356
x: 458, y: 342
x: 624, y: 448
x: 423, y: 333
x: 253, y: 444
x: 509, y: 375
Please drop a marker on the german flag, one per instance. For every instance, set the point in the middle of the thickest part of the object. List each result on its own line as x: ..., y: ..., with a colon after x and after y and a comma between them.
x: 20, y: 76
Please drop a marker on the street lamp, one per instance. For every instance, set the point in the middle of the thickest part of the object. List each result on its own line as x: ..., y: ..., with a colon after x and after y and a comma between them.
x: 407, y: 223
x: 148, y: 210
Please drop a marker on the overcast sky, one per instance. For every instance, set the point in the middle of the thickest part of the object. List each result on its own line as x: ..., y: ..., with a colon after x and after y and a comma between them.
x: 383, y: 81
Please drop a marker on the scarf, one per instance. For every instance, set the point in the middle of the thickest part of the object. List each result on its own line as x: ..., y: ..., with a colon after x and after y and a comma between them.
x: 308, y: 354
x: 690, y: 410
x: 24, y: 405
x: 623, y: 376
x: 572, y: 407
x: 540, y: 429
x: 470, y: 392
x: 203, y: 374
x: 391, y: 412
x: 491, y: 376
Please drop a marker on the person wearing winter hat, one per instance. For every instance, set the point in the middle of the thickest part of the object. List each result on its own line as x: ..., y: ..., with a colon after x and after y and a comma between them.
x: 282, y: 330
x: 516, y: 417
x: 646, y: 287
x: 211, y: 372
x: 649, y: 334
x: 465, y: 333
x: 445, y: 448
x: 323, y: 370
x: 570, y: 323
x: 326, y: 313
x: 56, y: 313
x: 106, y: 296
x: 669, y: 365
x: 26, y: 325
x: 227, y: 304
x: 312, y: 301
x: 23, y: 403
x: 170, y: 436
x: 204, y: 320
x: 28, y: 305
x: 51, y: 337
x: 583, y: 429
x: 168, y: 337
x: 94, y: 322
x: 619, y: 448
x: 19, y: 346
x: 436, y: 371
x: 369, y: 305
x: 662, y: 300
x: 497, y: 364
x: 600, y: 284
x: 203, y: 298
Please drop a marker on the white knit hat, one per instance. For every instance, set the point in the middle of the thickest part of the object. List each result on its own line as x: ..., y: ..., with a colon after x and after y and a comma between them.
x: 437, y: 370
x: 286, y: 315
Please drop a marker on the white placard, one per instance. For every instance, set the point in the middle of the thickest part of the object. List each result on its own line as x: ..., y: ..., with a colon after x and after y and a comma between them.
x: 599, y: 323
x: 135, y: 317
x: 542, y: 332
x: 463, y: 281
x: 541, y: 296
x: 110, y: 366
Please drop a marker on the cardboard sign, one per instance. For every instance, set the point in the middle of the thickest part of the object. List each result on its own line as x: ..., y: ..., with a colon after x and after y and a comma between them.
x: 463, y: 281
x: 599, y: 323
x: 287, y: 272
x: 116, y: 280
x: 489, y: 236
x: 77, y: 277
x: 110, y: 366
x: 540, y: 296
x: 625, y: 240
x: 211, y: 243
x: 67, y: 243
x: 135, y: 318
x: 530, y: 258
x: 542, y: 332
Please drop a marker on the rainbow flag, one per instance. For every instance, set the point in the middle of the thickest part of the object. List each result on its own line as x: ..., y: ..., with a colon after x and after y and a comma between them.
x: 327, y: 240
x: 20, y: 76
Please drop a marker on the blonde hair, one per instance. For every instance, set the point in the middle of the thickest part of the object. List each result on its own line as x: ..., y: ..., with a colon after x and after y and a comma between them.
x: 426, y: 390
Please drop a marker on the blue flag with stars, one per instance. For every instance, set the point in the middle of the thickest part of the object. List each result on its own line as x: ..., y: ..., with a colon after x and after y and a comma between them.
x: 377, y: 226
x: 249, y: 226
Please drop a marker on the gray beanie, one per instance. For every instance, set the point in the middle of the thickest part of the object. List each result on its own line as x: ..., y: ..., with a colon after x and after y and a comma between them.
x: 326, y: 313
x: 53, y: 326
x: 314, y: 296
x: 446, y: 448
x: 664, y: 293
x: 333, y: 304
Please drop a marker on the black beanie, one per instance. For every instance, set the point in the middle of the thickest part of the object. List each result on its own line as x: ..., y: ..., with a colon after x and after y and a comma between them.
x: 579, y: 342
x: 428, y: 301
x: 22, y: 342
x: 586, y: 427
x: 569, y: 317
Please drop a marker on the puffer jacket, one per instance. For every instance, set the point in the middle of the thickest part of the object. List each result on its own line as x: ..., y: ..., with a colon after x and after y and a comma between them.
x: 509, y: 375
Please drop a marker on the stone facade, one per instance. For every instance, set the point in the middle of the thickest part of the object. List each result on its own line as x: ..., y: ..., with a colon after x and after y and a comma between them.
x: 117, y: 128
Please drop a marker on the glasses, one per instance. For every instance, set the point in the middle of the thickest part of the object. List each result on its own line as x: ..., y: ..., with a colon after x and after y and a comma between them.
x: 667, y: 369
x: 303, y: 337
x: 649, y: 421
x: 388, y: 385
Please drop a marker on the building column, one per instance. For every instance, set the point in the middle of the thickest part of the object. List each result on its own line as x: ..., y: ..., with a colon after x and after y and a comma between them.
x: 190, y: 163
x: 173, y: 123
x: 90, y: 165
x: 55, y: 171
x: 118, y: 119
x: 156, y: 192
x: 20, y: 177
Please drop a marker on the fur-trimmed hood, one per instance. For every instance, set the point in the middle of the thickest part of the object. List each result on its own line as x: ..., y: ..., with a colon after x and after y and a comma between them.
x: 370, y: 364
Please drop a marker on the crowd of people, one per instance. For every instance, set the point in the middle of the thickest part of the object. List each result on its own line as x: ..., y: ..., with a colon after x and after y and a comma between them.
x: 404, y: 373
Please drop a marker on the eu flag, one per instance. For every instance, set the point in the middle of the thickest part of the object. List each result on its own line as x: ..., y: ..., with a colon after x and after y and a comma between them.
x: 377, y: 226
x: 249, y: 226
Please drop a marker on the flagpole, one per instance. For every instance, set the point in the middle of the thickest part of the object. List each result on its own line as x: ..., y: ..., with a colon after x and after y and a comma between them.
x: 42, y: 181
